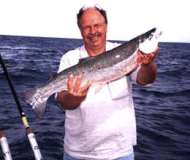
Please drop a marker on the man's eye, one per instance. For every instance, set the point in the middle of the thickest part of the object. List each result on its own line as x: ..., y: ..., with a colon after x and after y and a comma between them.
x: 98, y: 25
x: 86, y: 28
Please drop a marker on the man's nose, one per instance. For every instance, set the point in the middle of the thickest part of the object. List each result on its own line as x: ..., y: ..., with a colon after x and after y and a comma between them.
x: 92, y: 30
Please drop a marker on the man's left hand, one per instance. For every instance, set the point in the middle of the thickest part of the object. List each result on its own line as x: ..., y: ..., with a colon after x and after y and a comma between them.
x: 144, y: 58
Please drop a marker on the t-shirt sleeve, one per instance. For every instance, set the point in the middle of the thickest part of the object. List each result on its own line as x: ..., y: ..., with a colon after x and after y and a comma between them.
x: 64, y: 63
x: 68, y: 59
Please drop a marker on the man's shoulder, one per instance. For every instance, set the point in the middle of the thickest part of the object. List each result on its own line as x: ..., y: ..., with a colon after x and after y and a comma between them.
x: 71, y: 51
x: 69, y: 58
x: 79, y: 50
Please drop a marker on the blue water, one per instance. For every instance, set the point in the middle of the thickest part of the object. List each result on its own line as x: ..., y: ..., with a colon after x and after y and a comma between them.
x: 162, y: 110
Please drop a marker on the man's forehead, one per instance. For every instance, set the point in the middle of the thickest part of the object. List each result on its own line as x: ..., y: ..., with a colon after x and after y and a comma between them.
x: 91, y: 10
x: 91, y: 14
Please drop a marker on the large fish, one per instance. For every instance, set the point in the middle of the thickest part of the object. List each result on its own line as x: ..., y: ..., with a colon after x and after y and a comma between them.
x: 103, y: 68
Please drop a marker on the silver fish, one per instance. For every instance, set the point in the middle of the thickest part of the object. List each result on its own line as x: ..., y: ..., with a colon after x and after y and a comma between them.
x: 103, y: 68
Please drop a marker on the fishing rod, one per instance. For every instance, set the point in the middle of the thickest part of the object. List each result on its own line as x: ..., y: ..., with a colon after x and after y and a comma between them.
x: 29, y: 132
x: 5, y: 146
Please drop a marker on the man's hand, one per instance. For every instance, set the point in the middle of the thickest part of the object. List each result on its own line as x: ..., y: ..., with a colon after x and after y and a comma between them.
x: 147, y: 72
x: 77, y: 89
x: 146, y: 59
x: 77, y: 85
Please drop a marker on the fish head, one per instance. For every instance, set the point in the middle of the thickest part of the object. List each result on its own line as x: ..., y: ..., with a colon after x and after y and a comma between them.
x: 150, y: 44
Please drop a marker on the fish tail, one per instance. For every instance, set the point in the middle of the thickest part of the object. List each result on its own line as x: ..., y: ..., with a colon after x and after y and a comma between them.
x: 36, y: 100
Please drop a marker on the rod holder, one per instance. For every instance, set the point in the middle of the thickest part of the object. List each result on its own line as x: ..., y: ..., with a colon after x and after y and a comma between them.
x: 5, y: 146
x: 34, y: 144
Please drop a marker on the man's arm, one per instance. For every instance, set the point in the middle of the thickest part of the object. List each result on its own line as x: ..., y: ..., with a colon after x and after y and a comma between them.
x: 68, y: 101
x: 147, y: 74
x: 148, y: 71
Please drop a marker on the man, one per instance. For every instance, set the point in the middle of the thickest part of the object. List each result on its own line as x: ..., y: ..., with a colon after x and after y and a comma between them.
x: 100, y: 120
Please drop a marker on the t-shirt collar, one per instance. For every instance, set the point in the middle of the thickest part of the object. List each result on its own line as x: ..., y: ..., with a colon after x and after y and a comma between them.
x: 83, y: 52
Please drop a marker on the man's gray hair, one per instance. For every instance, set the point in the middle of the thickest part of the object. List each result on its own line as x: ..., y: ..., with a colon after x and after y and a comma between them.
x: 97, y: 7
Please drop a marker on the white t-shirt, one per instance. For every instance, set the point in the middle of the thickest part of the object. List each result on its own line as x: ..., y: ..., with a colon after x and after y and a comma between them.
x: 103, y: 127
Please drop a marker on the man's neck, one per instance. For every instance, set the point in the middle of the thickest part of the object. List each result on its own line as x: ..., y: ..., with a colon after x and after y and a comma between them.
x: 96, y: 51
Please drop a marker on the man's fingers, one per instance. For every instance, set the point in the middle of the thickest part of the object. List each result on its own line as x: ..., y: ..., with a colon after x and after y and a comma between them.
x: 77, y: 85
x: 84, y: 91
x: 84, y: 86
x: 69, y: 81
x: 146, y: 58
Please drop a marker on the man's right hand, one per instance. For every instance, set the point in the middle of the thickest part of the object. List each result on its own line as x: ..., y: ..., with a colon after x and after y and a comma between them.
x: 77, y: 85
x: 77, y: 90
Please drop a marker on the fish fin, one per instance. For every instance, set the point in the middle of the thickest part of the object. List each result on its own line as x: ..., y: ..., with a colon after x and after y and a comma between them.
x: 40, y: 109
x: 35, y: 99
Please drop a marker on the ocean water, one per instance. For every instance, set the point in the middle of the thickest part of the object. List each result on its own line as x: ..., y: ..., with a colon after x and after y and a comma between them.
x: 162, y: 109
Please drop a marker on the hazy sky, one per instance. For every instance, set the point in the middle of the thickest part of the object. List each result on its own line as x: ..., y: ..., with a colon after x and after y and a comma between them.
x: 127, y: 18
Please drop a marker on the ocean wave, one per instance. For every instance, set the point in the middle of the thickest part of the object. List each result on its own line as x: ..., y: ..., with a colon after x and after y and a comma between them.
x: 26, y: 48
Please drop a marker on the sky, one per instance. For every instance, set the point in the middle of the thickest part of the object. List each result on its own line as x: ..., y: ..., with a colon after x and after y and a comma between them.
x: 126, y: 18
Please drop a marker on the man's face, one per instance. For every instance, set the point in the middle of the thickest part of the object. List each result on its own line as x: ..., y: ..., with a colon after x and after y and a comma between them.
x: 93, y: 29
